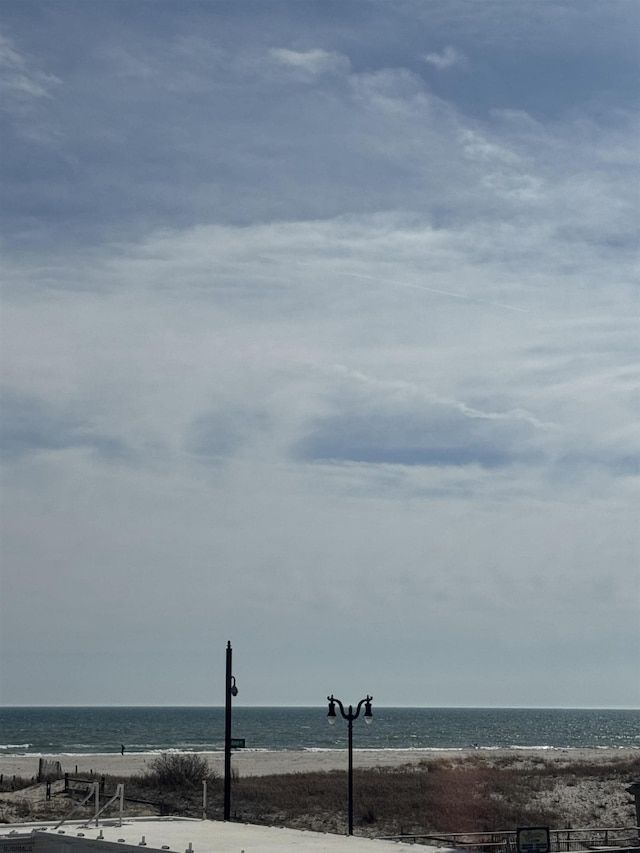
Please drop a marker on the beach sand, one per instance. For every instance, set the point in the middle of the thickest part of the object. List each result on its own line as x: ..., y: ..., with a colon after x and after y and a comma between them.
x: 258, y: 763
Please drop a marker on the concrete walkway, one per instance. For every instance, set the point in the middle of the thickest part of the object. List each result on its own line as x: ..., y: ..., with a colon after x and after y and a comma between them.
x: 183, y: 835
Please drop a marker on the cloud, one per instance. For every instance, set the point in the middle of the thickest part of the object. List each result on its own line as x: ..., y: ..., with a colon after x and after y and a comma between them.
x: 449, y: 57
x: 311, y: 62
x: 30, y: 425
x: 20, y: 79
x: 351, y: 281
x: 221, y: 433
x: 391, y: 424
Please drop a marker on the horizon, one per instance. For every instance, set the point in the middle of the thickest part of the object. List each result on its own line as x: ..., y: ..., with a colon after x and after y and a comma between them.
x: 237, y: 704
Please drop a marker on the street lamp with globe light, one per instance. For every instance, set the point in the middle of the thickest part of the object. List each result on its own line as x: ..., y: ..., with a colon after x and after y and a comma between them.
x: 350, y: 716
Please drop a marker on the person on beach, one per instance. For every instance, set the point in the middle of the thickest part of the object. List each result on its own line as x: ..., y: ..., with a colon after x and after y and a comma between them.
x: 121, y: 749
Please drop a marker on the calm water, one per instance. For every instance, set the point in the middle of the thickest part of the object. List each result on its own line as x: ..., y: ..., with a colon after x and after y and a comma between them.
x: 102, y: 730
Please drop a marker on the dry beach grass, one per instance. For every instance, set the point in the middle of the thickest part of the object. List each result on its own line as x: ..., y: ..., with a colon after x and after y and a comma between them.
x: 461, y: 792
x: 471, y: 794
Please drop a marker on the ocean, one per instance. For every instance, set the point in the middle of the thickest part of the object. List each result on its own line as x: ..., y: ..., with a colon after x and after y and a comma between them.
x: 42, y: 731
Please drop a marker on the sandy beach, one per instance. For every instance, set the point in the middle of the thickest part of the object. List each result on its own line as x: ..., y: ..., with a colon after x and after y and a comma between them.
x: 263, y: 763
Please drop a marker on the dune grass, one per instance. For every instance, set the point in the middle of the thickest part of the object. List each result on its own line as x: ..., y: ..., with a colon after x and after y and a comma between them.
x: 474, y: 794
x: 470, y: 794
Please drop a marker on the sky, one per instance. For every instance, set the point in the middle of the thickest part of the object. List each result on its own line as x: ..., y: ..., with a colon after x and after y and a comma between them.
x: 320, y: 335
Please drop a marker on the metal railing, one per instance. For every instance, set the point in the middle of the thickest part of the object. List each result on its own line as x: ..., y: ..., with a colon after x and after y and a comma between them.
x: 562, y: 840
x: 95, y: 788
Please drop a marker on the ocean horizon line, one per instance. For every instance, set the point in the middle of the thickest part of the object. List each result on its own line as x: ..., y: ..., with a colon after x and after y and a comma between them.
x: 322, y: 704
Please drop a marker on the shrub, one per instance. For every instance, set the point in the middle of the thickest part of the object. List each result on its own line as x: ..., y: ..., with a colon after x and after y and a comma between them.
x: 178, y: 770
x: 23, y: 808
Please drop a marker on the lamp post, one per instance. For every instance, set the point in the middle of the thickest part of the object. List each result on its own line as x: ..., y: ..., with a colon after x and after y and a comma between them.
x: 230, y: 690
x: 350, y: 716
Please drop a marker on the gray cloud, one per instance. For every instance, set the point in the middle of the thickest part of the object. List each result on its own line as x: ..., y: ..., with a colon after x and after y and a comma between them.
x: 219, y: 434
x: 30, y: 425
x: 432, y: 435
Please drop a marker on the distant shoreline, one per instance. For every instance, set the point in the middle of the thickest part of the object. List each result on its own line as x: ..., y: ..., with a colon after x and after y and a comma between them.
x: 253, y: 762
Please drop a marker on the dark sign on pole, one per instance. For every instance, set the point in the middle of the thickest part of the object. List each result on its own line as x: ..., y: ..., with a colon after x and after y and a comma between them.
x: 533, y: 839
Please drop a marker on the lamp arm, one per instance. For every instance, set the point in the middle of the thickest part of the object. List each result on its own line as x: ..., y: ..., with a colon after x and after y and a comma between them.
x: 366, y: 701
x: 350, y: 715
x: 360, y: 704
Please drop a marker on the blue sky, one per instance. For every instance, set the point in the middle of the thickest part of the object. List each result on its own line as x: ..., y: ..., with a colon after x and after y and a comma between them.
x: 320, y: 335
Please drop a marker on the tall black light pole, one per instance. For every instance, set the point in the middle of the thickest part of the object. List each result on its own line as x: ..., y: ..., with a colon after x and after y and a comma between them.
x: 350, y: 716
x: 231, y: 690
